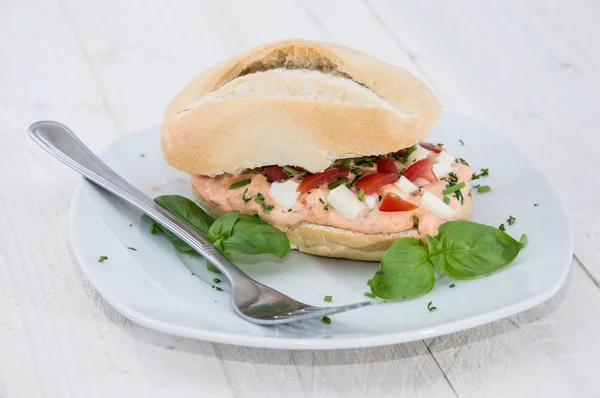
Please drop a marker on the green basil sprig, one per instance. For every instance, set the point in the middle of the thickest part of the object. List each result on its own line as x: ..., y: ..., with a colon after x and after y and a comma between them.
x: 230, y: 233
x: 461, y: 250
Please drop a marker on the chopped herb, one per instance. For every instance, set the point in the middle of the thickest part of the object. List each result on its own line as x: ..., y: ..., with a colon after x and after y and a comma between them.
x: 260, y: 199
x: 326, y: 320
x: 502, y: 227
x: 218, y: 289
x: 102, y: 259
x: 452, y: 285
x: 337, y: 183
x: 239, y: 184
x: 131, y: 225
x: 408, y: 152
x: 325, y: 205
x: 454, y: 188
x: 511, y: 220
x: 416, y: 221
x: 475, y: 187
x: 401, y: 171
x: 440, y: 144
x: 289, y: 210
x: 132, y: 248
x: 475, y: 176
x: 216, y: 280
x: 356, y: 171
x: 361, y: 194
x: 523, y: 239
x: 452, y: 178
x: 536, y: 204
x: 463, y: 161
x: 485, y: 172
x: 364, y: 161
x: 446, y: 199
x: 327, y: 299
x: 143, y: 155
x: 289, y: 170
x: 461, y: 142
x: 380, y: 198
x: 369, y: 294
x: 346, y: 162
x: 244, y: 198
x: 193, y: 273
x: 268, y: 208
x: 483, y: 189
x: 431, y: 307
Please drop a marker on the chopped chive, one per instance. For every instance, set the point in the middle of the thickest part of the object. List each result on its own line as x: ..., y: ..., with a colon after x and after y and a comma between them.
x: 239, y: 184
x: 523, y: 239
x: 326, y: 207
x: 260, y: 199
x: 268, y: 208
x: 369, y: 294
x: 218, y: 289
x: 485, y: 172
x: 216, y: 280
x: 454, y: 188
x: 484, y: 188
x: 244, y: 198
x: 321, y: 200
x: 452, y: 285
x: 326, y: 320
x: 431, y: 307
x: 337, y: 183
x: 463, y: 161
x: 327, y: 299
x: 461, y: 142
x: 361, y: 194
x: 102, y: 259
x: 502, y: 227
x: 401, y: 172
x: 289, y: 170
x: 346, y: 162
x: 132, y: 248
x: 408, y: 152
x: 511, y: 220
x: 357, y: 171
x: 446, y: 200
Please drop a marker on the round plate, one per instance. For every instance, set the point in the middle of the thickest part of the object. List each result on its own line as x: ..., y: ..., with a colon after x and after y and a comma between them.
x: 163, y: 290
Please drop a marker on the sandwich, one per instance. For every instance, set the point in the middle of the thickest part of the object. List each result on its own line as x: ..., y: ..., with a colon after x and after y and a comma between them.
x: 321, y: 141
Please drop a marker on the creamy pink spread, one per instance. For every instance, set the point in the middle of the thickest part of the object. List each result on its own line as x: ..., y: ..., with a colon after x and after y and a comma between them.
x: 310, y: 206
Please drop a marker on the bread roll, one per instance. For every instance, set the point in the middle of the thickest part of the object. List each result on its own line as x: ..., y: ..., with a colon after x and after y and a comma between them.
x: 294, y: 102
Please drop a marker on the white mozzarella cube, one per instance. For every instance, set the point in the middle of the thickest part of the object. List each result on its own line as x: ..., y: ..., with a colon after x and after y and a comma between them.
x: 406, y: 186
x: 442, y: 169
x: 445, y: 157
x: 345, y: 201
x: 370, y: 200
x: 420, y: 153
x: 436, y: 206
x: 285, y: 193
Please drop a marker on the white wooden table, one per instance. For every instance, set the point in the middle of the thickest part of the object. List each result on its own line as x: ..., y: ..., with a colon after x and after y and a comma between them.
x: 528, y: 68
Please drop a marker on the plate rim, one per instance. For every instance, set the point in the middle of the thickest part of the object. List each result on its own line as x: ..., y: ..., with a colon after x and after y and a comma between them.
x: 318, y: 343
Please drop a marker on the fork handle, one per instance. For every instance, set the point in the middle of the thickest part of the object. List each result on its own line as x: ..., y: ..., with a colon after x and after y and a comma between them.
x: 63, y: 144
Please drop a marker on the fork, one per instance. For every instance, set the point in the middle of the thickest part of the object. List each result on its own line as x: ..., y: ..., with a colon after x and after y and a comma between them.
x: 250, y: 299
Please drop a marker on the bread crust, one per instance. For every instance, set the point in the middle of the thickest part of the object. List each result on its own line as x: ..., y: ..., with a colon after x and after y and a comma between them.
x: 227, y: 134
x: 327, y: 241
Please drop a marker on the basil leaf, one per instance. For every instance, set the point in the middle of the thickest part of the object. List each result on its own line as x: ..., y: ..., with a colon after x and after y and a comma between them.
x: 177, y: 243
x: 467, y: 250
x: 405, y: 271
x: 222, y: 227
x: 187, y: 211
x: 251, y: 235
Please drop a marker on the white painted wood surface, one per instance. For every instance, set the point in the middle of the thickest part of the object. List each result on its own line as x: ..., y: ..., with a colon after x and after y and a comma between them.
x: 530, y: 69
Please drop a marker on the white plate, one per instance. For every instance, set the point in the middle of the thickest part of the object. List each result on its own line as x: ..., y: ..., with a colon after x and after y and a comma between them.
x: 154, y: 286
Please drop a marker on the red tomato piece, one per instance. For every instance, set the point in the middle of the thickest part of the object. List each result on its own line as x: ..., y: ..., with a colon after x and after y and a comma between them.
x: 386, y: 165
x: 327, y: 177
x: 393, y: 202
x: 275, y: 173
x: 431, y: 147
x: 421, y: 169
x: 372, y: 183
